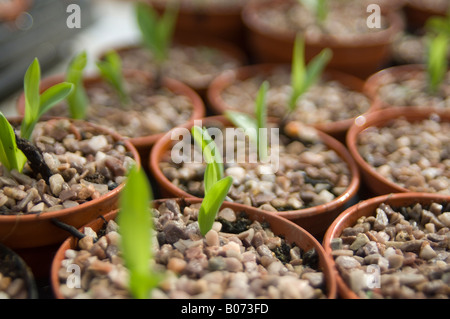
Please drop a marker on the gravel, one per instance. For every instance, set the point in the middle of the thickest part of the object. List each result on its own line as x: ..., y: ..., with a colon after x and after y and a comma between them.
x: 398, y: 252
x: 414, y: 155
x: 309, y: 173
x: 12, y: 288
x: 240, y: 263
x: 150, y: 110
x: 84, y: 165
x: 325, y: 102
x: 291, y: 17
x: 194, y: 65
x: 411, y: 89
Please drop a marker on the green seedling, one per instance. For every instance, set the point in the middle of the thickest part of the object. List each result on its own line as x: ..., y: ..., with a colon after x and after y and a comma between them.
x: 136, y: 229
x: 156, y: 31
x: 318, y: 7
x: 304, y: 76
x: 216, y: 186
x: 438, y: 24
x: 10, y: 155
x: 437, y: 63
x: 254, y: 125
x: 111, y: 70
x: 78, y: 99
x: 210, y: 152
x: 37, y: 104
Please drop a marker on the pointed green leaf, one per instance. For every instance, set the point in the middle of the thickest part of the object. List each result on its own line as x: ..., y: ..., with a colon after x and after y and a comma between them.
x: 111, y: 70
x: 298, y: 71
x: 78, y: 99
x: 245, y: 122
x: 10, y: 156
x: 209, y: 148
x: 437, y: 64
x: 32, y: 97
x: 316, y: 66
x: 212, y: 202
x: 136, y: 227
x: 211, y: 176
x: 53, y: 96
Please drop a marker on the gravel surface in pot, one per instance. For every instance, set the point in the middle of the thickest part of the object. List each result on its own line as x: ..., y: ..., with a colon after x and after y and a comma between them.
x: 411, y: 89
x: 309, y: 174
x: 150, y: 110
x: 194, y: 65
x: 291, y: 16
x: 237, y: 259
x: 12, y: 288
x: 414, y: 155
x: 84, y: 164
x: 325, y: 102
x: 408, y: 246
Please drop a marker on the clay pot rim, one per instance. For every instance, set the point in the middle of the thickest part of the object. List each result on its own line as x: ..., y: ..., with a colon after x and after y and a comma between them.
x: 194, y: 40
x: 351, y: 214
x: 174, y: 85
x: 373, y: 82
x: 381, y: 118
x: 73, y: 210
x: 226, y: 79
x: 384, y: 36
x: 325, y: 262
x: 164, y: 144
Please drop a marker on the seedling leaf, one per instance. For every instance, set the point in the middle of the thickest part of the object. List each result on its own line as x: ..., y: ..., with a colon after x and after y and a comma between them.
x: 304, y: 76
x: 156, y: 31
x: 136, y: 229
x: 211, y: 204
x: 35, y: 104
x: 78, y: 99
x: 437, y: 63
x: 209, y: 149
x: 111, y: 70
x: 10, y: 156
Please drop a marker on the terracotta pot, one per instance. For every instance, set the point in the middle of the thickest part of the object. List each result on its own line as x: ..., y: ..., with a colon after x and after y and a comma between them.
x: 314, y: 219
x: 215, y: 22
x: 35, y: 237
x: 227, y: 47
x: 144, y: 143
x: 417, y: 14
x: 336, y: 129
x: 361, y: 57
x: 280, y: 226
x: 13, y: 266
x: 367, y: 208
x: 390, y: 75
x: 375, y: 182
x: 37, y: 230
x: 11, y: 9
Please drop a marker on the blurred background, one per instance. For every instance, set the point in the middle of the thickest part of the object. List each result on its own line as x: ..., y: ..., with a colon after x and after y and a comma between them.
x: 39, y: 29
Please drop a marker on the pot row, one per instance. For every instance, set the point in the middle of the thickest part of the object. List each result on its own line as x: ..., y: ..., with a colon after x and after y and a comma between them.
x: 337, y: 284
x: 315, y: 220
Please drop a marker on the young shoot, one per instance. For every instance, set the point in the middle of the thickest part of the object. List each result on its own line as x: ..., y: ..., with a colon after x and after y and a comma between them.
x: 437, y: 63
x: 156, y: 31
x: 136, y: 229
x: 210, y: 152
x: 11, y: 156
x: 438, y: 24
x: 318, y: 7
x: 304, y: 76
x: 78, y: 99
x: 111, y: 70
x: 37, y: 104
x: 256, y: 125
